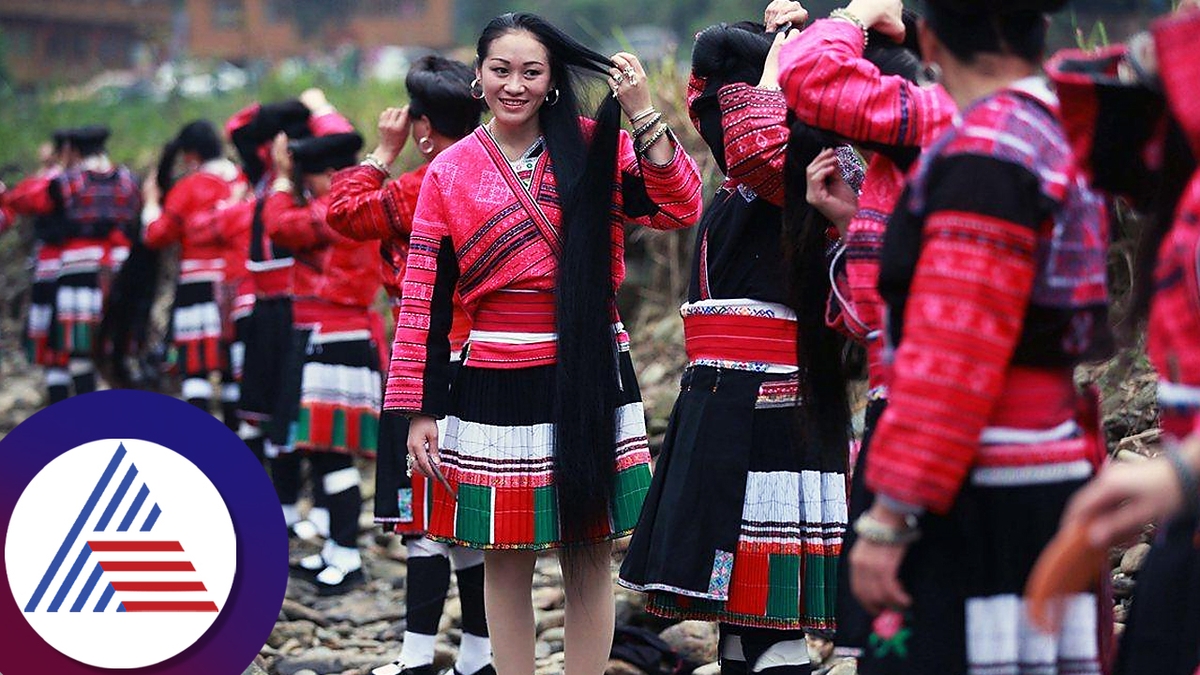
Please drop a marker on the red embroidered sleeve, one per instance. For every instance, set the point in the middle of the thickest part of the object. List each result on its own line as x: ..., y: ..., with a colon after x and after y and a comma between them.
x: 1175, y: 42
x: 31, y: 197
x: 419, y: 374
x: 167, y: 228
x: 299, y: 228
x: 674, y: 187
x: 756, y: 135
x: 962, y: 320
x: 364, y: 208
x: 829, y: 85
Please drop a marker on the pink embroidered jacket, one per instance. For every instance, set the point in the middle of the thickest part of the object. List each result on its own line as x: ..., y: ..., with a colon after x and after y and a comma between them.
x: 829, y: 85
x: 479, y: 231
x: 1097, y: 103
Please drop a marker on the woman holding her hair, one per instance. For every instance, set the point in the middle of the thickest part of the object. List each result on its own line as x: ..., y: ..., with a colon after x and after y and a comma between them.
x: 197, y: 325
x: 441, y: 111
x: 994, y: 272
x: 757, y: 442
x: 545, y: 442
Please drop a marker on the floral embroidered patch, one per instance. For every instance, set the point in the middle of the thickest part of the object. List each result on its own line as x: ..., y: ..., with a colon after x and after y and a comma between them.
x: 404, y: 497
x: 889, y: 635
x: 722, y: 572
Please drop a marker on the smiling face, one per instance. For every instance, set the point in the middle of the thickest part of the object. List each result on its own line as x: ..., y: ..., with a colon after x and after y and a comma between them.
x: 515, y: 76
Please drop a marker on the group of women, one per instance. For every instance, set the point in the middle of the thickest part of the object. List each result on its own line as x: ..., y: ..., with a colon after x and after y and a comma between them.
x: 915, y: 186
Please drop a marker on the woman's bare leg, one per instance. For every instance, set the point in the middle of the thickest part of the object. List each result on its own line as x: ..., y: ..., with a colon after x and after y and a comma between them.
x: 590, y: 611
x: 507, y: 583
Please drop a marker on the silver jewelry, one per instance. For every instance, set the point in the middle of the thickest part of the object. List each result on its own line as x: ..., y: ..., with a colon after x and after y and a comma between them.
x: 409, y: 463
x: 550, y: 101
x: 869, y: 528
x: 476, y: 89
x: 375, y: 163
x: 425, y: 145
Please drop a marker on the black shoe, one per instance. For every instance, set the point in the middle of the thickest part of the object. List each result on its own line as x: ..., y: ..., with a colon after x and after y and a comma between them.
x: 333, y: 581
x: 489, y: 669
x: 397, y: 668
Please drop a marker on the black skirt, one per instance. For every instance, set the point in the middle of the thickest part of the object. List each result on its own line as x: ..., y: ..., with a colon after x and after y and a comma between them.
x: 1163, y: 633
x: 271, y: 353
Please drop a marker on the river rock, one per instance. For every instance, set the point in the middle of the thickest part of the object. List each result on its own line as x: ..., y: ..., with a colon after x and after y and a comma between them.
x: 1134, y: 558
x: 694, y: 641
x: 551, y: 619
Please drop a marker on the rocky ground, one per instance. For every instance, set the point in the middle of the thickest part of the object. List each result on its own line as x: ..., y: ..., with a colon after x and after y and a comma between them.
x: 352, y: 634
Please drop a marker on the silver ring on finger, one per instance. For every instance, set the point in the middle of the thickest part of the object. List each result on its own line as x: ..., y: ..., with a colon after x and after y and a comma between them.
x: 409, y: 466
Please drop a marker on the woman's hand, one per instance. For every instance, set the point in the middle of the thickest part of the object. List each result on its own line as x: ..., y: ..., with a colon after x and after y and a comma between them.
x: 828, y: 191
x: 770, y: 76
x: 627, y: 79
x: 1125, y: 497
x: 394, y: 126
x: 782, y: 13
x: 281, y: 156
x: 423, y: 444
x: 314, y: 99
x: 885, y: 16
x: 151, y: 194
x: 875, y: 570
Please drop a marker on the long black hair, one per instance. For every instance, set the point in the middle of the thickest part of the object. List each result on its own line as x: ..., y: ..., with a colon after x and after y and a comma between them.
x: 825, y: 409
x: 586, y: 387
x: 970, y: 28
x: 199, y: 137
x: 439, y: 89
x: 1179, y: 165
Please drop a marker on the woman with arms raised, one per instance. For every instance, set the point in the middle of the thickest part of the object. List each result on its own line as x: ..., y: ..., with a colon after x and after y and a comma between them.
x: 545, y: 445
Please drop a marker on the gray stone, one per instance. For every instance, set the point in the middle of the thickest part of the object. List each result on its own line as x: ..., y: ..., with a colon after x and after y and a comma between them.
x: 1134, y: 558
x: 619, y: 667
x: 551, y: 619
x: 325, y: 660
x: 254, y: 669
x: 548, y: 597
x: 297, y: 611
x: 694, y: 641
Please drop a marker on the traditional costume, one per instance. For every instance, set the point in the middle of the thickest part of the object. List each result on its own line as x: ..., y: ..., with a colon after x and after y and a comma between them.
x: 337, y: 389
x: 48, y: 233
x: 1116, y: 122
x: 490, y: 230
x: 773, y: 505
x: 994, y: 272
x: 829, y: 84
x: 197, y: 324
x: 95, y: 203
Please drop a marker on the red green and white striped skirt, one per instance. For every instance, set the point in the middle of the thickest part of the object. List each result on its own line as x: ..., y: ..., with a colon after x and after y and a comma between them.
x: 340, y: 394
x: 498, y: 455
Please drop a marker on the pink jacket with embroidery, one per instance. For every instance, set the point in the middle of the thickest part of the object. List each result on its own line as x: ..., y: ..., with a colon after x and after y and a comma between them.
x: 829, y: 85
x: 479, y: 231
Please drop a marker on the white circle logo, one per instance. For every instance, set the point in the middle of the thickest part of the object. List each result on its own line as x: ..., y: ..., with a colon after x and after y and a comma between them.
x: 121, y: 553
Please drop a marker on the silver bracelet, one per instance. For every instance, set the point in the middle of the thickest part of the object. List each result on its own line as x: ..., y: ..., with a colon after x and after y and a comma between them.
x: 374, y: 162
x: 644, y: 146
x: 848, y: 16
x: 642, y: 115
x: 877, y: 532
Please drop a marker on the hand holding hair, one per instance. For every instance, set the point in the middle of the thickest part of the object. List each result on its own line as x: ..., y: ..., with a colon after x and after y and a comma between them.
x: 281, y: 156
x: 770, y: 76
x: 394, y: 126
x: 781, y: 13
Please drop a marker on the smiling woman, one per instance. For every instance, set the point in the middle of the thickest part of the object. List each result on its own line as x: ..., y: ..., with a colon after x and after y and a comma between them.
x: 523, y: 220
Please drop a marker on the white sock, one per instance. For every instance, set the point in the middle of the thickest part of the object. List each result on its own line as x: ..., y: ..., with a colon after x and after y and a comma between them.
x: 320, y: 517
x: 291, y: 514
x: 474, y: 653
x: 418, y: 649
x: 342, y: 557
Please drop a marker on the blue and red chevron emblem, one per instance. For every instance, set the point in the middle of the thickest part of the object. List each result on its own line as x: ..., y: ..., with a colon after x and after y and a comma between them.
x: 117, y: 562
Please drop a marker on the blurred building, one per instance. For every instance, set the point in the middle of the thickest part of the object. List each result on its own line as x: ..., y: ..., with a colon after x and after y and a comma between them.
x: 71, y: 40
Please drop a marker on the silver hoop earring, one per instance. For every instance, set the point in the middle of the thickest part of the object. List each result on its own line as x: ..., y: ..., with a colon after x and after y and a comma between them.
x: 476, y: 89
x: 556, y: 97
x: 425, y: 145
x: 929, y: 74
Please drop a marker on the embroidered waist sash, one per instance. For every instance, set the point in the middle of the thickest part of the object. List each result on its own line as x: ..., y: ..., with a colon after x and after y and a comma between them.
x: 742, y: 334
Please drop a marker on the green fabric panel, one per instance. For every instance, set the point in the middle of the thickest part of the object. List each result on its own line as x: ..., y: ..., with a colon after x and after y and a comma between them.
x: 545, y: 515
x: 474, y: 522
x: 783, y: 597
